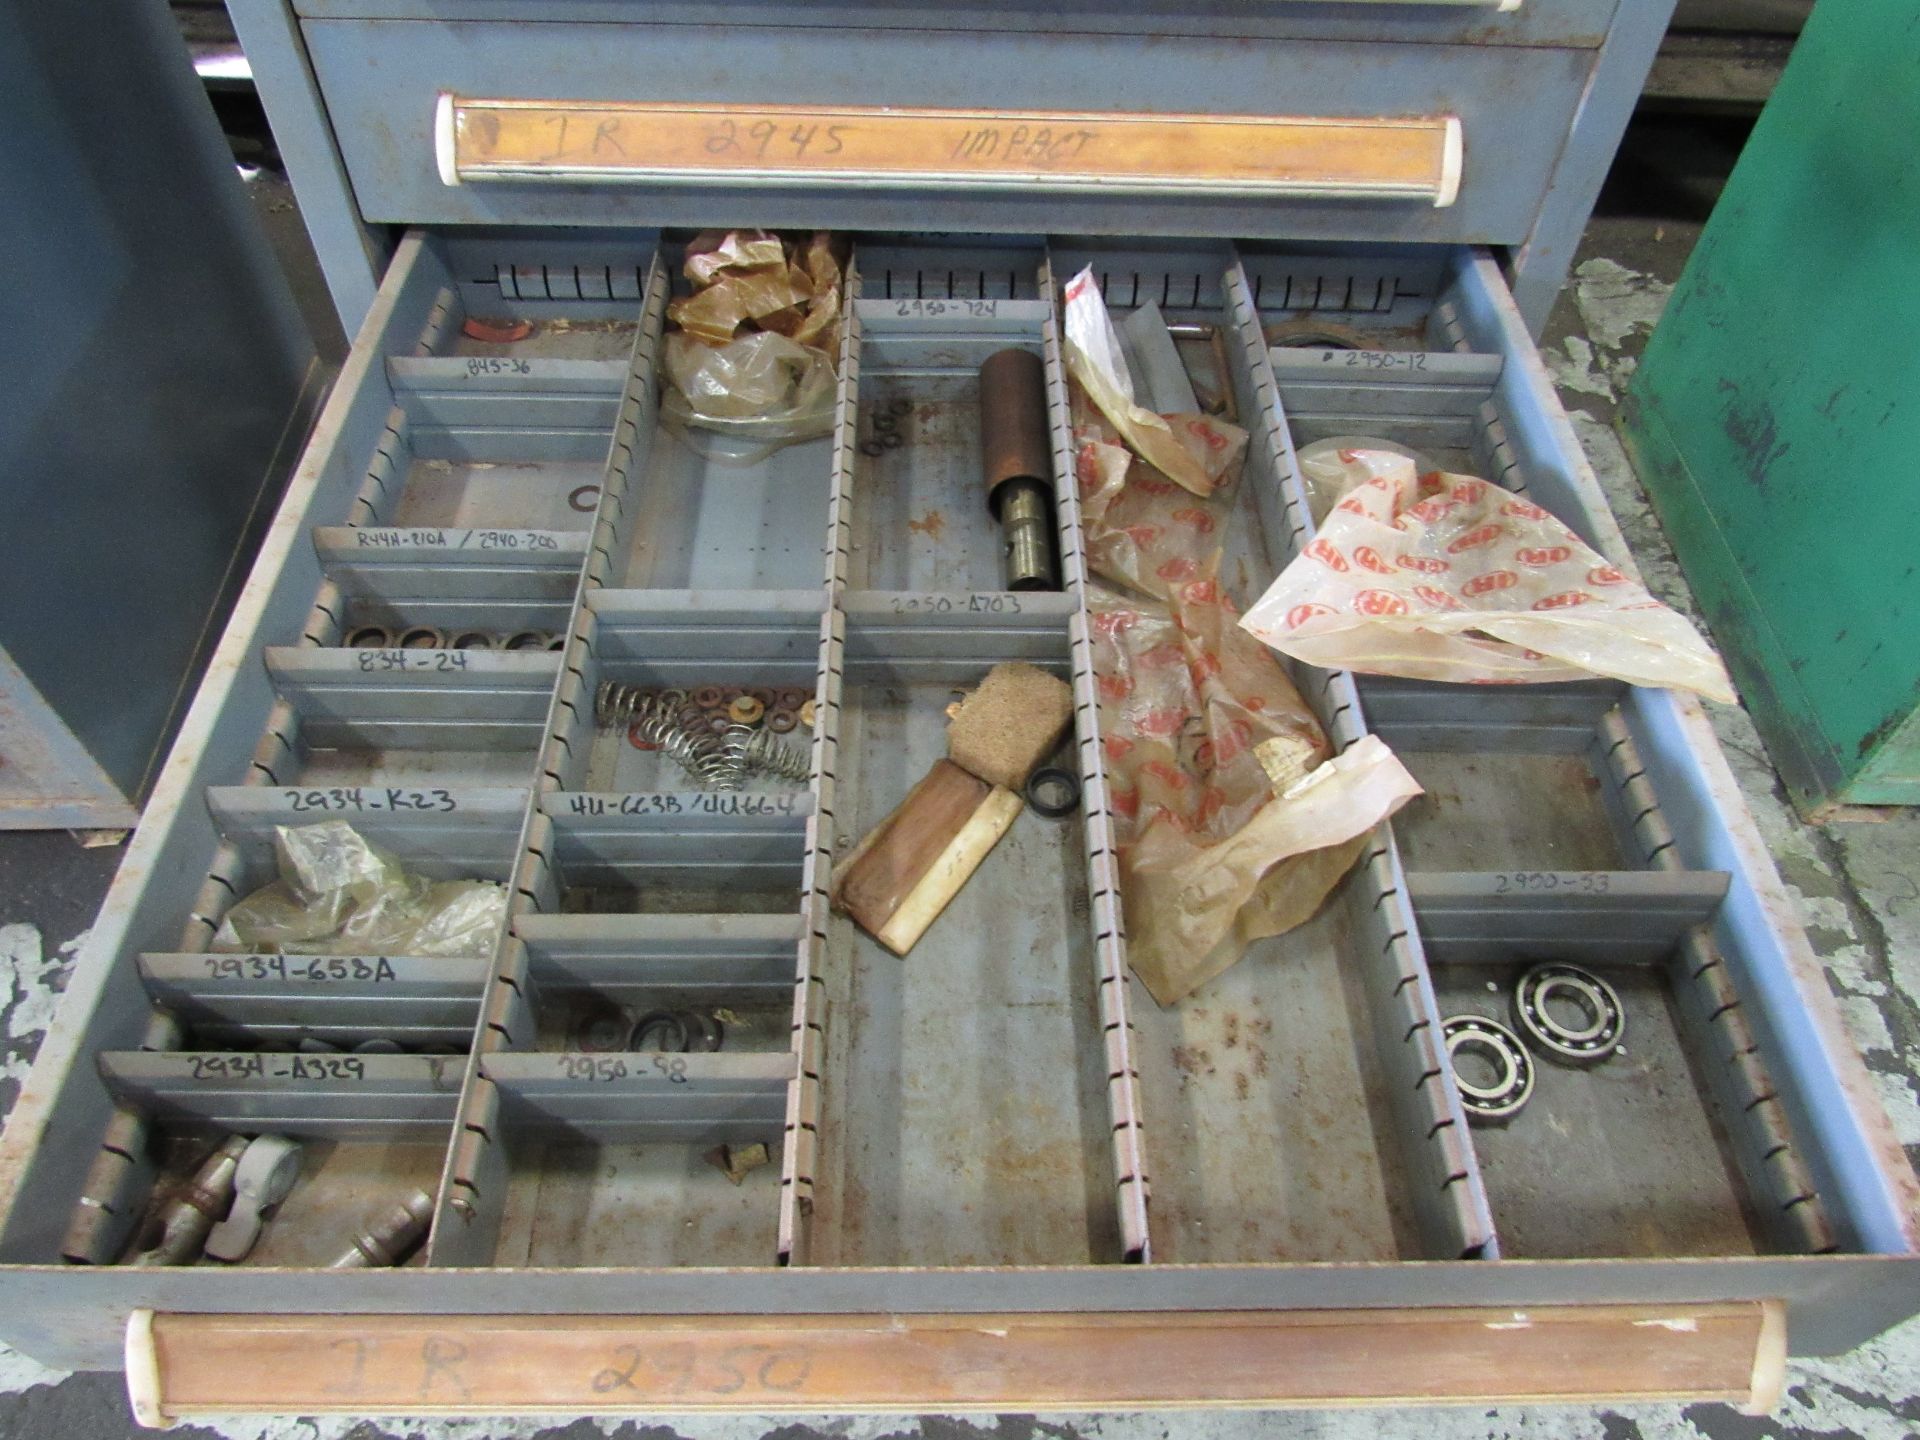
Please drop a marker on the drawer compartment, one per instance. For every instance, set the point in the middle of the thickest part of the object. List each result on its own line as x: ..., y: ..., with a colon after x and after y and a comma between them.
x: 964, y: 1090
x: 682, y: 1075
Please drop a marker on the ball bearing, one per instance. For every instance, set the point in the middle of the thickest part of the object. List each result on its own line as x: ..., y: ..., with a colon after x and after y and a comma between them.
x: 1603, y: 1019
x: 1512, y: 1084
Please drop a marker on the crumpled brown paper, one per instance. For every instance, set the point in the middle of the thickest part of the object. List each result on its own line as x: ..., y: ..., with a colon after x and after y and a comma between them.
x: 1233, y: 819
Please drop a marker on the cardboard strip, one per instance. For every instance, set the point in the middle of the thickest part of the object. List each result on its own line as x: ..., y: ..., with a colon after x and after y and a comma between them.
x: 186, y: 1365
x: 1415, y: 158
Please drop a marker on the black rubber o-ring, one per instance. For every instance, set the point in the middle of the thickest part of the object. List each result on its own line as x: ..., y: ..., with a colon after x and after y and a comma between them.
x: 1053, y: 775
x: 671, y: 1026
x: 584, y: 498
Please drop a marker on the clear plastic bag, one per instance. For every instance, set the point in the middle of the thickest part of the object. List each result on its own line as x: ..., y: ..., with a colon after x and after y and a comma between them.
x: 750, y: 356
x: 1447, y: 577
x: 1232, y: 817
x: 338, y: 894
x: 1095, y: 359
x: 761, y: 387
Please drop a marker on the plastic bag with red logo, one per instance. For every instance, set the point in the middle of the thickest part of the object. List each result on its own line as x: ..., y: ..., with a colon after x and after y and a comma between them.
x: 1233, y: 820
x: 1095, y: 359
x: 1446, y: 577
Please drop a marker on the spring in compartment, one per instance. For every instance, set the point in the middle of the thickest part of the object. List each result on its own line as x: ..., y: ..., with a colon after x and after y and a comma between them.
x: 766, y: 752
x: 652, y: 719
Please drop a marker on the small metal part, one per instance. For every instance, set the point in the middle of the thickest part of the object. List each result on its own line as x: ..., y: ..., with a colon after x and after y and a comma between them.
x: 767, y: 698
x: 708, y: 697
x: 186, y: 1218
x: 1223, y: 402
x: 379, y: 1045
x: 1026, y: 519
x: 782, y: 720
x: 892, y: 440
x: 764, y: 752
x: 584, y: 498
x: 736, y: 1162
x: 599, y: 1030
x: 791, y: 698
x: 705, y: 1034
x: 1053, y: 791
x: 393, y: 1237
x: 807, y: 712
x: 659, y: 1030
x: 422, y: 637
x: 473, y: 640
x: 369, y: 637
x: 1016, y: 463
x: 1588, y: 1043
x: 262, y: 1179
x: 495, y: 332
x: 872, y: 447
x: 901, y: 406
x: 1512, y: 1085
x: 673, y: 697
x: 884, y: 422
x: 527, y: 640
x: 747, y: 710
x: 558, y: 642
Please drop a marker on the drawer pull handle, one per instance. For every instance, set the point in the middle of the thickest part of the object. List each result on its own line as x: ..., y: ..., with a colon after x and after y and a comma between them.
x: 1409, y: 159
x: 180, y: 1365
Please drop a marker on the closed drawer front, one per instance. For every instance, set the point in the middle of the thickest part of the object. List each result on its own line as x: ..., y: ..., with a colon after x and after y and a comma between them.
x: 1579, y: 23
x: 998, y: 1174
x: 1510, y: 108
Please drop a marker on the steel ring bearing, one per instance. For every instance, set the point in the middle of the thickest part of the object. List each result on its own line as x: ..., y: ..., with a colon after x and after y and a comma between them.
x: 1586, y: 1044
x: 1512, y: 1087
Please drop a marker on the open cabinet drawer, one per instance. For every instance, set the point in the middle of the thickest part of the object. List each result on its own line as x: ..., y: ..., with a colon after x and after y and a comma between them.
x: 1001, y: 1175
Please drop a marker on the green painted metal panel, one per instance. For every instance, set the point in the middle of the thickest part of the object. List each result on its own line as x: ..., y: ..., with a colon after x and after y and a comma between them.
x: 1776, y: 415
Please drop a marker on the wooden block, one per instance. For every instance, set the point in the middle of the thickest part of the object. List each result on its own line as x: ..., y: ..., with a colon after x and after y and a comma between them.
x: 953, y: 867
x: 181, y: 1365
x: 883, y: 869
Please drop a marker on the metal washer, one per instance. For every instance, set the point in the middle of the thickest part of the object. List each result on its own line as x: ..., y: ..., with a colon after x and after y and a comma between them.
x: 1497, y: 1103
x: 1586, y: 1045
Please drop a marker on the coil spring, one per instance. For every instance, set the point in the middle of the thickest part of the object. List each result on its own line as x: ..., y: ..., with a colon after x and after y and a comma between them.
x: 766, y: 752
x: 712, y: 760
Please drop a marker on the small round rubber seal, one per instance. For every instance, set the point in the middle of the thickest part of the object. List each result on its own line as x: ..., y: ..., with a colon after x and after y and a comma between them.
x: 1062, y: 785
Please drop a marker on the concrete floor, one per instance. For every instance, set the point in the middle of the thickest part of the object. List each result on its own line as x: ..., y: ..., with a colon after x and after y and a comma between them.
x: 1858, y: 886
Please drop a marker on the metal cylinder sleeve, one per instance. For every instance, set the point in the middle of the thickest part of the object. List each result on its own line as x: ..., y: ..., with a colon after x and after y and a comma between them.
x: 1498, y: 1101
x: 1603, y: 1019
x: 1016, y: 464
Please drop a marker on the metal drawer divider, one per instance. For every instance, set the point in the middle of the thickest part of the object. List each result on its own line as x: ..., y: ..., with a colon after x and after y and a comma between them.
x: 1451, y: 1202
x: 471, y: 1195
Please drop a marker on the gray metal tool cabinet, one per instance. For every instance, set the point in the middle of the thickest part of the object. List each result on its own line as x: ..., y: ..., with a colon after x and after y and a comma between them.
x: 1004, y: 1177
